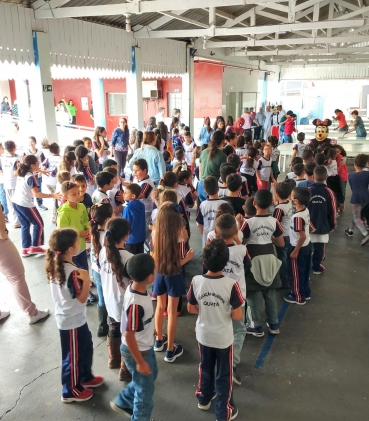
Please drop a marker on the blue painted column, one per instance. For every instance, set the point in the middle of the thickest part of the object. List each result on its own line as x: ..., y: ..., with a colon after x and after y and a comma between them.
x: 98, y: 101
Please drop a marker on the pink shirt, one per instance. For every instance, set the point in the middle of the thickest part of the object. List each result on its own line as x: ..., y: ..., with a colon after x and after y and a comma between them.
x: 249, y: 119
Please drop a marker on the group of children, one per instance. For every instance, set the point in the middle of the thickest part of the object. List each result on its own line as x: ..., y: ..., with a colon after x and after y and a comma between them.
x: 242, y: 224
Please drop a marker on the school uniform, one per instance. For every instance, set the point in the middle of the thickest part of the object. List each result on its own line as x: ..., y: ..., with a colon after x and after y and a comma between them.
x: 138, y: 317
x: 275, y: 158
x: 27, y: 212
x: 87, y: 173
x: 206, y: 216
x: 215, y: 296
x: 51, y: 163
x: 147, y: 186
x: 75, y: 336
x: 283, y: 213
x: 249, y: 174
x: 98, y: 196
x: 9, y: 164
x: 189, y: 150
x: 299, y: 148
x: 113, y: 198
x: 241, y: 151
x: 186, y: 194
x: 299, y: 268
x: 265, y: 171
x: 134, y: 212
x: 41, y: 158
x: 322, y: 209
x: 212, y: 236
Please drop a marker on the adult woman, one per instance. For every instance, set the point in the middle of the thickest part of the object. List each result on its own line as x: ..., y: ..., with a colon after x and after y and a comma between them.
x: 358, y: 124
x: 229, y: 125
x: 5, y: 106
x: 205, y: 132
x: 219, y: 124
x: 153, y: 157
x: 12, y: 268
x: 163, y: 131
x: 341, y: 120
x: 152, y: 124
x: 119, y: 144
x: 211, y: 159
x: 100, y: 145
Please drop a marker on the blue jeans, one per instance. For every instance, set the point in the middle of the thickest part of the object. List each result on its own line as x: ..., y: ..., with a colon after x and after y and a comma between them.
x: 201, y: 191
x: 287, y: 138
x: 282, y: 253
x: 28, y: 217
x: 138, y: 395
x: 3, y: 199
x: 100, y: 295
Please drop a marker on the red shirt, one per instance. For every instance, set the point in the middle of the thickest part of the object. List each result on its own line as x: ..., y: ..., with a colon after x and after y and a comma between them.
x: 289, y: 126
x: 341, y: 119
x: 342, y: 167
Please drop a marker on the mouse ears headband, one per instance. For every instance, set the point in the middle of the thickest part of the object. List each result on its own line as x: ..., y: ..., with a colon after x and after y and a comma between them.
x: 318, y: 122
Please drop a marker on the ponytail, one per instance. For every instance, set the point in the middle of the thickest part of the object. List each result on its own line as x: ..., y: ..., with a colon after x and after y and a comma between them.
x: 100, y: 212
x: 216, y: 141
x: 25, y: 166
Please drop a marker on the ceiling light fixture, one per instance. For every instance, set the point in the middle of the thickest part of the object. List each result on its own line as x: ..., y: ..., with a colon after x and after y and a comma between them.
x: 128, y: 23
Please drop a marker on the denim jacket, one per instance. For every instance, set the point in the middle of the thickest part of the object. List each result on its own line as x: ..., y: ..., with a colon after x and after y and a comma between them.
x: 154, y: 159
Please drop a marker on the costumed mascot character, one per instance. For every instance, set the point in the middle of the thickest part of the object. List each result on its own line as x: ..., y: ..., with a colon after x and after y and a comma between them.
x: 238, y: 126
x: 275, y: 122
x: 321, y: 139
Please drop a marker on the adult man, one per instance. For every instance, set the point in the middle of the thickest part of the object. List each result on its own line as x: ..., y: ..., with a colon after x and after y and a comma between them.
x: 268, y: 122
x: 160, y: 115
x: 248, y: 117
x: 259, y: 121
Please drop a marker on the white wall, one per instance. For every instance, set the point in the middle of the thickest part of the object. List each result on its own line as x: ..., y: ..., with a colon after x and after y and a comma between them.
x: 352, y: 71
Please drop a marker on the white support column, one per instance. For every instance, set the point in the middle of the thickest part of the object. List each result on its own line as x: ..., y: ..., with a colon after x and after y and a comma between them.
x: 134, y: 92
x: 188, y: 103
x: 42, y: 98
x: 314, y: 32
x: 21, y: 90
x: 98, y: 101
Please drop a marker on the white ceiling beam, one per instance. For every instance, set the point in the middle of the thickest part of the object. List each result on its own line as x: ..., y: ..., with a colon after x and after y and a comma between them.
x: 328, y: 58
x: 287, y: 53
x: 214, y: 32
x: 320, y: 64
x: 47, y: 4
x: 253, y: 17
x: 183, y: 19
x: 137, y: 7
x: 361, y: 11
x: 241, y: 18
x: 330, y: 17
x: 347, y: 5
x: 291, y: 11
x: 315, y: 18
x: 212, y: 17
x: 291, y: 41
x: 306, y: 5
x: 222, y: 14
x: 306, y: 12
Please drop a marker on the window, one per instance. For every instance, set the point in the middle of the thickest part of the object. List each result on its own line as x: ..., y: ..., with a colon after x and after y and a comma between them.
x: 117, y: 104
x: 174, y: 101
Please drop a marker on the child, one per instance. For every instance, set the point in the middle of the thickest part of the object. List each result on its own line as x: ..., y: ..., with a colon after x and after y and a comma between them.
x: 234, y: 185
x: 113, y: 259
x: 322, y: 209
x: 249, y: 167
x: 274, y: 142
x: 25, y: 209
x: 261, y: 232
x: 170, y: 256
x: 264, y: 171
x: 105, y: 182
x: 292, y: 175
x: 134, y: 212
x: 176, y: 139
x: 8, y: 166
x: 228, y: 150
x: 241, y: 150
x: 231, y: 140
x: 73, y: 214
x: 226, y: 230
x: 179, y: 157
x: 283, y: 213
x: 333, y: 179
x: 62, y: 176
x: 299, y: 253
x: 235, y: 161
x: 319, y: 159
x: 309, y: 175
x: 185, y: 188
x: 206, y: 213
x: 142, y: 178
x: 82, y: 166
x: 137, y: 330
x: 69, y: 290
x: 225, y: 171
x: 85, y: 198
x: 341, y: 159
x: 51, y: 164
x: 217, y: 300
x: 87, y: 143
x: 168, y: 161
x: 188, y: 146
x: 359, y: 183
x: 115, y: 195
x: 307, y: 156
x: 299, y: 148
x: 100, y: 214
x: 225, y: 209
x: 299, y: 171
x: 68, y: 163
x: 32, y: 150
x: 100, y: 145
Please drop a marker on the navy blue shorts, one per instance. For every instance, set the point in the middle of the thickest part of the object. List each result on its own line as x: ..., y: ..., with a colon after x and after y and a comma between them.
x: 173, y: 285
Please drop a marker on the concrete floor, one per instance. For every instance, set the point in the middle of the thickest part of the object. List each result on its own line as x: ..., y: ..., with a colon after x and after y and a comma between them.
x: 317, y: 368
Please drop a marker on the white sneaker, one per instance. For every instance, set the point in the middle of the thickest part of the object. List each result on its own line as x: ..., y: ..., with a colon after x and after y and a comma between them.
x: 39, y: 316
x: 4, y: 314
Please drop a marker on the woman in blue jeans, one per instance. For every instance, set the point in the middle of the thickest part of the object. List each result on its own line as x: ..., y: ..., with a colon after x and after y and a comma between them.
x: 119, y: 144
x: 211, y: 159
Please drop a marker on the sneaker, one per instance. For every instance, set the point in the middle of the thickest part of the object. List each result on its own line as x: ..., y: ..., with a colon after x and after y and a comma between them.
x: 316, y: 272
x: 85, y: 395
x: 36, y: 250
x: 307, y: 298
x: 364, y: 240
x: 171, y: 356
x: 349, y: 232
x: 96, y: 381
x: 25, y: 253
x: 91, y: 298
x: 255, y: 331
x: 236, y: 377
x: 273, y: 329
x: 128, y: 412
x: 234, y: 414
x: 42, y: 207
x: 290, y: 299
x: 160, y: 343
x: 206, y: 407
x: 39, y: 316
x: 153, y: 297
x: 4, y: 314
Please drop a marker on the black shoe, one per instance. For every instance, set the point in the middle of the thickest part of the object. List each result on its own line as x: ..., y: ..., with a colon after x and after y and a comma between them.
x: 349, y: 232
x: 91, y: 298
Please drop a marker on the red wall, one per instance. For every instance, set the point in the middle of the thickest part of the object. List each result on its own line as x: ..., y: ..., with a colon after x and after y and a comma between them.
x: 208, y: 90
x: 74, y: 89
x: 113, y: 86
x: 151, y: 107
x: 13, y: 94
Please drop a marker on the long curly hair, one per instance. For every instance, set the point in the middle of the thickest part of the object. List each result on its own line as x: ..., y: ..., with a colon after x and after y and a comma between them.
x: 100, y: 213
x: 59, y: 243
